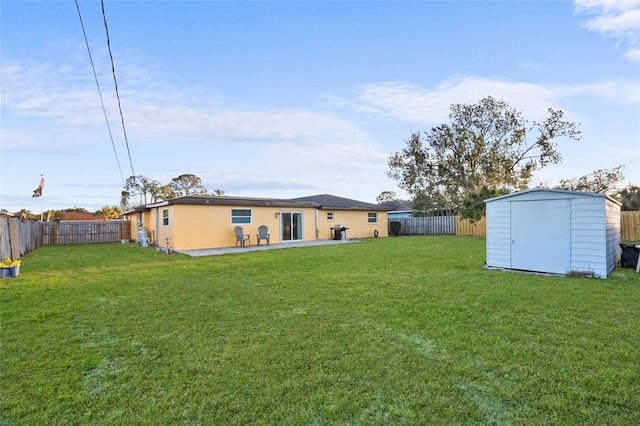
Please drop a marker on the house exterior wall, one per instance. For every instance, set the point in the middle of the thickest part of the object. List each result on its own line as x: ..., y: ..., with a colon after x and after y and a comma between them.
x: 163, y: 235
x: 199, y: 226
x: 137, y: 218
x: 594, y: 230
x: 202, y: 226
x: 357, y: 222
x: 399, y: 215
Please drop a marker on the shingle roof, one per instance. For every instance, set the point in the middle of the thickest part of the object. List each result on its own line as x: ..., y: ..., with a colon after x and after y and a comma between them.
x: 239, y: 201
x: 399, y: 205
x: 323, y: 201
x: 327, y: 201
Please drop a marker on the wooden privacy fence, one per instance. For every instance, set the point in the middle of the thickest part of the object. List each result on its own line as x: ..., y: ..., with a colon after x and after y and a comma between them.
x: 436, y: 225
x: 18, y: 237
x: 630, y: 222
x: 86, y: 232
x: 474, y: 229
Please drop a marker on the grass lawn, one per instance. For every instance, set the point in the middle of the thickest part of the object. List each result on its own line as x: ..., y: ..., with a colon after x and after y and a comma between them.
x: 404, y: 330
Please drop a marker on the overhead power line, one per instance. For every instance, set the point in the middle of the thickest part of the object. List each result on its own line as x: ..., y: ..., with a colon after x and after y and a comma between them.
x: 113, y: 71
x: 95, y: 76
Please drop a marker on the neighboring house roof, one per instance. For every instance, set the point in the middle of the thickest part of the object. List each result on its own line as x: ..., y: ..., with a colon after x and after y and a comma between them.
x: 74, y: 216
x: 399, y: 205
x: 332, y: 202
x: 560, y: 191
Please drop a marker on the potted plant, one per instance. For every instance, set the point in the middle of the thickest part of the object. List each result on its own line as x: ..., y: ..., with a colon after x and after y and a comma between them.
x: 9, y: 268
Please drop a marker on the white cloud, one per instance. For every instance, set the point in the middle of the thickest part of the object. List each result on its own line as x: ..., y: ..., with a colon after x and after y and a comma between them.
x: 415, y: 104
x: 633, y: 55
x: 619, y: 19
x: 155, y: 112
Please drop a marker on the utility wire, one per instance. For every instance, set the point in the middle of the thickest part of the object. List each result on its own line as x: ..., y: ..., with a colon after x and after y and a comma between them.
x: 104, y: 111
x: 113, y: 70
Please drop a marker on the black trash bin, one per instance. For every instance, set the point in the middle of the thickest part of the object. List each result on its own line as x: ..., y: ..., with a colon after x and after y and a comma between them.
x: 630, y: 253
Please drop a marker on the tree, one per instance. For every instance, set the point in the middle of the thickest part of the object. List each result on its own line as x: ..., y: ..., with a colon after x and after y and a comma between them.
x: 630, y: 197
x: 125, y: 197
x: 386, y: 196
x: 473, y: 206
x: 112, y: 212
x: 601, y: 181
x: 143, y: 187
x: 187, y: 184
x: 218, y: 192
x: 147, y: 189
x: 488, y: 144
x: 153, y: 191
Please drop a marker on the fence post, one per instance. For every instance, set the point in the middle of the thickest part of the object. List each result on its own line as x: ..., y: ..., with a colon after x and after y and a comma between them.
x: 14, y: 237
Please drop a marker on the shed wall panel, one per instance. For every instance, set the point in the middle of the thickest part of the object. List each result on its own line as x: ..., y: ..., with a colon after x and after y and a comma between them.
x: 613, y: 234
x: 588, y: 250
x: 498, y: 240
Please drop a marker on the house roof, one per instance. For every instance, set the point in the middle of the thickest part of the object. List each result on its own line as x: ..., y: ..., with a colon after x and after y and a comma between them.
x: 236, y: 201
x: 399, y: 205
x: 332, y: 202
x: 552, y: 190
x: 324, y: 201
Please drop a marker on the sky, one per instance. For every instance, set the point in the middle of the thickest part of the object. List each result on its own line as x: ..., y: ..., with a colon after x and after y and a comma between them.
x: 286, y: 99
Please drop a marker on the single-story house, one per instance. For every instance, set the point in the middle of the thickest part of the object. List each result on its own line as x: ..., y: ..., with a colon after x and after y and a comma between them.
x: 207, y: 221
x: 399, y: 208
x: 554, y: 231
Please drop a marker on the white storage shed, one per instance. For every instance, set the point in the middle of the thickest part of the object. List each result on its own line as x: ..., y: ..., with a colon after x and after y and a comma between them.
x: 554, y: 231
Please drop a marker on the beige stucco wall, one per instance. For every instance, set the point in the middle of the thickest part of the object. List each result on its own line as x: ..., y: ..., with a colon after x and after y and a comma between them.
x: 134, y: 219
x: 201, y: 226
x: 357, y: 222
x: 207, y: 226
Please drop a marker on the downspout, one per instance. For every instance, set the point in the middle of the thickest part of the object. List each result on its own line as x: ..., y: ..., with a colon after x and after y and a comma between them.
x: 316, y: 212
x: 157, y: 230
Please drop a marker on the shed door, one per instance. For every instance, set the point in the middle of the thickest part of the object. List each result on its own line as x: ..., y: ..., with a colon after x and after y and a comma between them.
x: 540, y: 236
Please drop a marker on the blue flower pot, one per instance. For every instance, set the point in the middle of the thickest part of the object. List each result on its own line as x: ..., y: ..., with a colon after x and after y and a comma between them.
x: 11, y: 272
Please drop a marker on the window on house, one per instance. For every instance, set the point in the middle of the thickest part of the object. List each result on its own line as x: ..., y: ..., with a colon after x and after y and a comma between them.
x: 240, y: 216
x: 372, y: 217
x: 329, y: 215
x: 165, y: 217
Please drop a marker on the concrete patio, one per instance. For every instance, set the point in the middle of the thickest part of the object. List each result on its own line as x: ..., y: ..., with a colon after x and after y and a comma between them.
x: 248, y: 248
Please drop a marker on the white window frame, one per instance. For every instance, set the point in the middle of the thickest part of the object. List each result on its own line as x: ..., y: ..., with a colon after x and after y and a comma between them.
x: 235, y: 219
x: 374, y: 216
x: 165, y: 217
x: 330, y: 216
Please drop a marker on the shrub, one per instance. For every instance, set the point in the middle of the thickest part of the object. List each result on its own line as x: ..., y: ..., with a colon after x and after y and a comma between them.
x: 395, y: 228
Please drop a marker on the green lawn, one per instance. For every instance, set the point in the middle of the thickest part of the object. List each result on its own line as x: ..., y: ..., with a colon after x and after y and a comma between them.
x: 404, y: 330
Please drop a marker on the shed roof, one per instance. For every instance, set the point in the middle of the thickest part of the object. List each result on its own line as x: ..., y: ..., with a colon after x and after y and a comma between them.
x: 552, y: 190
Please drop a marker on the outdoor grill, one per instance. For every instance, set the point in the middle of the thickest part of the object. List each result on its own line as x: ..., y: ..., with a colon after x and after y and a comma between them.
x: 339, y: 232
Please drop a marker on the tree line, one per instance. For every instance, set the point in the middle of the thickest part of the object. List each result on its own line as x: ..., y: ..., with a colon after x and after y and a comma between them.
x: 488, y: 149
x: 137, y: 191
x: 140, y: 190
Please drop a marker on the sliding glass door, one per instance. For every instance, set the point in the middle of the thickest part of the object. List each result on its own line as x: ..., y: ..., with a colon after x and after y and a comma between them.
x: 291, y: 226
